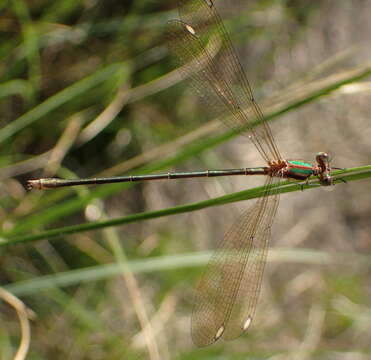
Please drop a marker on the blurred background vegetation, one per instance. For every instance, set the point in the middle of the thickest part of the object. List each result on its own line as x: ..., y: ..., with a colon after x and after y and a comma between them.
x: 87, y: 88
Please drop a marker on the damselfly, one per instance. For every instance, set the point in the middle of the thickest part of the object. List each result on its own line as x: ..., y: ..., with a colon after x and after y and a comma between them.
x: 228, y: 292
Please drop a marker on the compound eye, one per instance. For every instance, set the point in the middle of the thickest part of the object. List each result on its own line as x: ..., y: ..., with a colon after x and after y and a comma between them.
x: 327, y: 180
x: 323, y: 156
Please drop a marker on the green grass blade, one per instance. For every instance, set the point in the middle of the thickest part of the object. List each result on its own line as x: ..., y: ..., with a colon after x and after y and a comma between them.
x: 345, y: 175
x: 289, y: 101
x: 166, y: 263
x: 59, y: 99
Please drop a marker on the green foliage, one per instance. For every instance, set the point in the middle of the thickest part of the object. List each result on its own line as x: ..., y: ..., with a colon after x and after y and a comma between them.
x: 87, y: 89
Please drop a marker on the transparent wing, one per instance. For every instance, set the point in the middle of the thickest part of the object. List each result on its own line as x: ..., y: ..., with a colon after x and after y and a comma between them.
x: 218, y: 79
x: 227, y: 295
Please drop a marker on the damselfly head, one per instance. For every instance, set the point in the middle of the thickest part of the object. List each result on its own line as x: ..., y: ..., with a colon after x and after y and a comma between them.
x: 323, y: 161
x: 322, y: 157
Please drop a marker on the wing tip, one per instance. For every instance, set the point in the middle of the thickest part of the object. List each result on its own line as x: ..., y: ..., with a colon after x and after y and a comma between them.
x: 202, y: 340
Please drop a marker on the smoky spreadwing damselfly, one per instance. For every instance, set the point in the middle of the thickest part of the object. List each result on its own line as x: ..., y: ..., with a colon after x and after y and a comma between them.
x: 227, y: 294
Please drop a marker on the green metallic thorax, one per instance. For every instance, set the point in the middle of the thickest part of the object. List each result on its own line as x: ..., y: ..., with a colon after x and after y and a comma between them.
x: 299, y: 169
